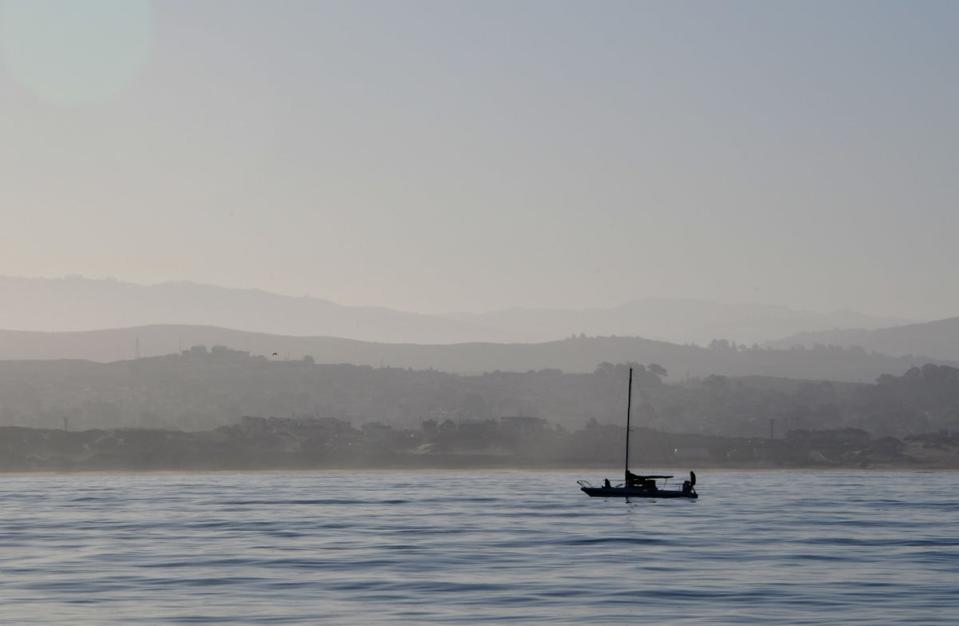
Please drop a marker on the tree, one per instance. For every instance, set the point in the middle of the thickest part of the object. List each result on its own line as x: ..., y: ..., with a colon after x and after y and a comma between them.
x: 658, y: 370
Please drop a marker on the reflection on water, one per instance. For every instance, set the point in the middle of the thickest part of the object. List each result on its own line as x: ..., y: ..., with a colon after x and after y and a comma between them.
x: 440, y: 547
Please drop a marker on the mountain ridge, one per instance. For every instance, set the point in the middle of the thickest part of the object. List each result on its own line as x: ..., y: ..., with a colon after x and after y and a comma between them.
x: 937, y: 339
x: 577, y: 354
x: 677, y: 320
x: 76, y: 303
x: 39, y: 305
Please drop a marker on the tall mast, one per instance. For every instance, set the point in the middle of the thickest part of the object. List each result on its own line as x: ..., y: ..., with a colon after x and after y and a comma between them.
x: 629, y: 403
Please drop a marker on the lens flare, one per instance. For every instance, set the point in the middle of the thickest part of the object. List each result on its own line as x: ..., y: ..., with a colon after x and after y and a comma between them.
x: 72, y: 53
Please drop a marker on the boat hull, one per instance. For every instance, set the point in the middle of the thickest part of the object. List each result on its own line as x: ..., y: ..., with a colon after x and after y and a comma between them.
x: 633, y: 492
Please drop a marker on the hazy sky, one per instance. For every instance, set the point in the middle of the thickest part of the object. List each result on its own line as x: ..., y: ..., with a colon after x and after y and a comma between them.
x: 451, y: 155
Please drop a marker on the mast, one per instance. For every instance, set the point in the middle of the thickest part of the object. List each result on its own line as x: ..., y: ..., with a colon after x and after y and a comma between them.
x: 629, y: 402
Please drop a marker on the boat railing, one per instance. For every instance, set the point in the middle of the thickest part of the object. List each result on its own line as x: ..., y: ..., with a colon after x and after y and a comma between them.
x: 584, y: 483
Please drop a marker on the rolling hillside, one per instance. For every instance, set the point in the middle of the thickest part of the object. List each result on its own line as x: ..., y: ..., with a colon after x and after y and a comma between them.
x: 580, y: 354
x: 938, y: 339
x: 675, y: 320
x: 79, y: 304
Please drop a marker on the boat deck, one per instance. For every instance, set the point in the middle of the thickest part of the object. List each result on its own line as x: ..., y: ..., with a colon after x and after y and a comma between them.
x: 620, y: 491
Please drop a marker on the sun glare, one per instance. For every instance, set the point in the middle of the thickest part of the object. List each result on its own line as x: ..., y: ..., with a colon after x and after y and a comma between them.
x: 71, y: 53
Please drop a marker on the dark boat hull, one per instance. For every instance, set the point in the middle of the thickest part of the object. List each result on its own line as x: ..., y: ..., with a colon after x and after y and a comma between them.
x: 634, y: 492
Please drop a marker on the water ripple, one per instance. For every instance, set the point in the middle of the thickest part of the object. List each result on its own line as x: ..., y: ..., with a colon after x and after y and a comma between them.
x: 458, y: 547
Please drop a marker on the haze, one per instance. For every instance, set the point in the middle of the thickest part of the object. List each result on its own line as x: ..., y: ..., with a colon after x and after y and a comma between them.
x: 450, y: 156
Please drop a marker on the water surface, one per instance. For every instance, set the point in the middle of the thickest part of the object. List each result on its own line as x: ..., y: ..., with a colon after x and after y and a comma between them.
x: 495, y: 547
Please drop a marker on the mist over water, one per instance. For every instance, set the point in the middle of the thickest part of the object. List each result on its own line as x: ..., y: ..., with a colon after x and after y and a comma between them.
x: 441, y: 547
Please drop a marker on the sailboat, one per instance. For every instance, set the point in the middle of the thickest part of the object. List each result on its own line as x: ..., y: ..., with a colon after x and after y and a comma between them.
x: 635, y: 485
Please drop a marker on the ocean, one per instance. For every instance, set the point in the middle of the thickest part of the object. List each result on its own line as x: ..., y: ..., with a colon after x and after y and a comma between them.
x: 439, y: 547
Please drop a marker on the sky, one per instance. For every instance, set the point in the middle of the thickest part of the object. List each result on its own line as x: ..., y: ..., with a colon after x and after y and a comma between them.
x: 447, y: 155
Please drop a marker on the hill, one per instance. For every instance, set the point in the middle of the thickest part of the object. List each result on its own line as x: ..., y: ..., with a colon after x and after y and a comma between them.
x: 202, y: 389
x: 79, y: 304
x: 578, y: 354
x: 675, y: 320
x: 938, y: 339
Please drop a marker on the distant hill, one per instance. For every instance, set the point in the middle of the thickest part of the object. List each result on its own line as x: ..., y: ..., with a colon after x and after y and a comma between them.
x: 675, y: 320
x: 77, y: 303
x: 581, y: 354
x: 201, y: 389
x: 938, y: 339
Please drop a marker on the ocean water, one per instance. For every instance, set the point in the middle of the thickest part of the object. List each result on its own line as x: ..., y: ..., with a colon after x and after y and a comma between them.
x: 475, y: 547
